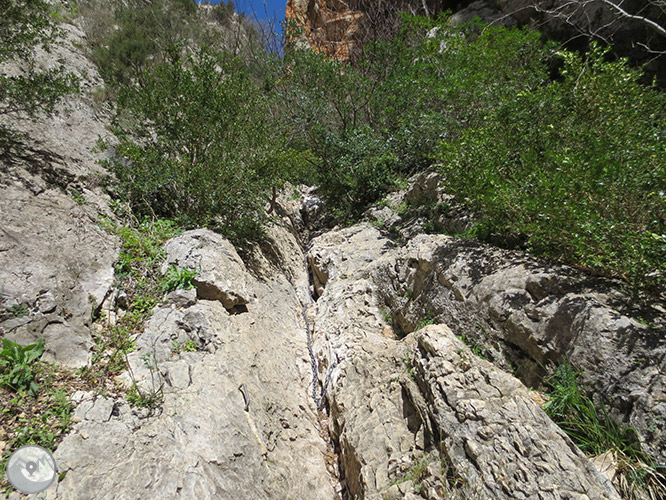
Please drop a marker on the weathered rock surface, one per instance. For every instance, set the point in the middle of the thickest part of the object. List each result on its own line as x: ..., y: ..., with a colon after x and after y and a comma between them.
x: 423, y: 414
x: 56, y: 263
x: 221, y: 272
x: 497, y: 441
x: 208, y: 440
x: 528, y: 316
x: 328, y: 26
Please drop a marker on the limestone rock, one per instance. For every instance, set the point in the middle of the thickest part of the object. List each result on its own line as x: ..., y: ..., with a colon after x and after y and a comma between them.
x: 56, y: 262
x: 221, y: 272
x: 497, y: 440
x: 202, y: 442
x: 330, y: 256
x: 526, y: 315
x: 328, y: 25
x: 423, y: 414
x: 337, y: 28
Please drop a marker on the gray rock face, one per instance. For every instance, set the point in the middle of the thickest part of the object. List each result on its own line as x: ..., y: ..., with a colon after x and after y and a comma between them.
x: 527, y: 316
x: 422, y: 415
x: 203, y: 443
x: 55, y: 260
x: 498, y: 442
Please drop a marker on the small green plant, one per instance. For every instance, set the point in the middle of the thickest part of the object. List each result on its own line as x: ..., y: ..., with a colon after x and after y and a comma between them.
x: 176, y: 278
x: 416, y: 473
x: 476, y: 348
x: 77, y: 196
x: 41, y: 420
x: 188, y: 346
x: 386, y: 316
x: 428, y: 319
x: 595, y: 433
x: 408, y: 363
x: 16, y: 362
x: 144, y: 399
x: 152, y: 398
x: 18, y: 310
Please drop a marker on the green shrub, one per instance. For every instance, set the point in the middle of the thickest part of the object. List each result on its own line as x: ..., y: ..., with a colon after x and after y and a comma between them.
x: 197, y: 145
x: 144, y: 32
x: 577, y: 166
x: 24, y: 25
x: 595, y: 433
x: 373, y: 123
x: 16, y: 365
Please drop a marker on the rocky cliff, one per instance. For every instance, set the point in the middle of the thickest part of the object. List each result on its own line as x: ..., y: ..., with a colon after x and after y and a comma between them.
x: 635, y: 29
x: 325, y: 363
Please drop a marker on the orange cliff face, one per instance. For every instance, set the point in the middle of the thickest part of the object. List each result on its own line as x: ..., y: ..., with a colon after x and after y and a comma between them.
x: 328, y: 26
x: 338, y: 28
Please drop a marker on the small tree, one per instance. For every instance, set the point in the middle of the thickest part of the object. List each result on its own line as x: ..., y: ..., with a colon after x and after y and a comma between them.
x: 198, y: 144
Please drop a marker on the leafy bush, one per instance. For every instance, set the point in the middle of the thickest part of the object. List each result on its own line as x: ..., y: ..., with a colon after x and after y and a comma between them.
x: 198, y: 146
x: 24, y: 25
x: 577, y: 166
x: 560, y: 151
x: 144, y: 32
x: 380, y: 120
x: 16, y: 364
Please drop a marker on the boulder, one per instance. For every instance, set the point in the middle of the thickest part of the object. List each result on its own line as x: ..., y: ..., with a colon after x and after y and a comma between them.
x: 235, y: 420
x: 527, y: 316
x: 221, y: 274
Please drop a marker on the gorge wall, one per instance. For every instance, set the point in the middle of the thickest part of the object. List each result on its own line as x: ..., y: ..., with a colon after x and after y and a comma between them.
x: 636, y: 30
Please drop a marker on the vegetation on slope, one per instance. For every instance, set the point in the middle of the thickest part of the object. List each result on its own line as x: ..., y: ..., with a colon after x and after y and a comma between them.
x: 596, y: 434
x: 562, y: 152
